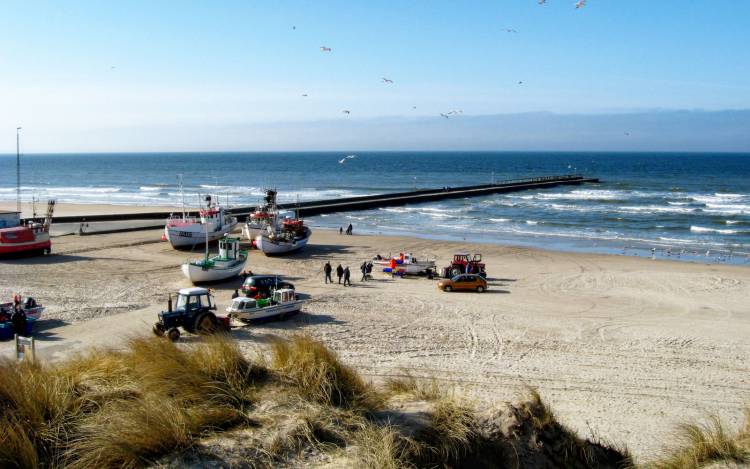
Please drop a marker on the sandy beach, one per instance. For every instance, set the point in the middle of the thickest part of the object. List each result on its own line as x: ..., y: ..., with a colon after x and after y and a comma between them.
x: 622, y: 347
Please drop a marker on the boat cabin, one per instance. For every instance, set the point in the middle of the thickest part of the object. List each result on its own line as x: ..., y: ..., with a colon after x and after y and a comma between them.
x: 9, y: 219
x: 194, y: 298
x: 284, y: 295
x: 229, y: 248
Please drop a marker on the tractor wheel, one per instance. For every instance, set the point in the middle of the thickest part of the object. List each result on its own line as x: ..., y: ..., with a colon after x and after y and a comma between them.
x: 480, y: 289
x: 456, y: 271
x: 173, y: 334
x: 447, y: 288
x: 158, y: 329
x: 205, y: 323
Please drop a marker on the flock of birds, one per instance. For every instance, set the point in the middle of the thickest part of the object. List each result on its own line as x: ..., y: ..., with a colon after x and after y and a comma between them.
x: 579, y: 4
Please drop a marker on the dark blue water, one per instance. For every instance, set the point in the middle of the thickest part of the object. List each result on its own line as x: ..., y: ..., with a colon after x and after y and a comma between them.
x: 682, y: 204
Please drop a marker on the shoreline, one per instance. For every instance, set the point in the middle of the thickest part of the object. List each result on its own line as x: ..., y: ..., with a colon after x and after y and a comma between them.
x: 576, y: 245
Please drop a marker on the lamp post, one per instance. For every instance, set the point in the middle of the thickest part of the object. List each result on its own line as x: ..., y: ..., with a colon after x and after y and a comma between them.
x: 18, y: 169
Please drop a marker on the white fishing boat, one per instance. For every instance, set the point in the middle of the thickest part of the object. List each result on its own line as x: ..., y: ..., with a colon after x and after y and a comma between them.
x: 261, y: 217
x: 280, y: 238
x: 229, y: 263
x: 212, y: 225
x: 283, y: 303
x: 404, y: 263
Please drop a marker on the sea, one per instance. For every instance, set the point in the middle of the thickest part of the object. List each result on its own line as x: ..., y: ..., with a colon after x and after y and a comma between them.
x: 686, y: 206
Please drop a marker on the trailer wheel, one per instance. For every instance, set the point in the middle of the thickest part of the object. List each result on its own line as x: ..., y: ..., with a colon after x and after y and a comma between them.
x: 158, y: 329
x: 205, y: 323
x: 174, y: 334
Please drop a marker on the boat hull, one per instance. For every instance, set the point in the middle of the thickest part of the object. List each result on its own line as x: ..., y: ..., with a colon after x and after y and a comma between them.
x: 197, y: 274
x: 414, y: 268
x: 273, y: 248
x: 267, y: 312
x: 183, y: 238
x: 40, y: 244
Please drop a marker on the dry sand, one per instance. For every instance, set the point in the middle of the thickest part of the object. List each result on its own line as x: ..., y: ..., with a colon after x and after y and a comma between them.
x: 622, y: 347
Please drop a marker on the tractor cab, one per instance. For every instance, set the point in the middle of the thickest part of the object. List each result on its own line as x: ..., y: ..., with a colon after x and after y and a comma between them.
x: 194, y: 299
x: 465, y: 263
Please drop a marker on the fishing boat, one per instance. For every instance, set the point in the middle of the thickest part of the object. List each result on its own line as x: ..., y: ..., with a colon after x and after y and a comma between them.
x: 229, y: 263
x: 280, y: 235
x: 404, y: 264
x: 287, y: 235
x: 31, y: 238
x: 186, y: 231
x: 283, y: 303
x: 261, y: 217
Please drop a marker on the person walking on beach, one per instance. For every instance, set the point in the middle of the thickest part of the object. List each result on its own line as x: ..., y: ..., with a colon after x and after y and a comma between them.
x: 328, y: 269
x: 235, y: 294
x: 341, y: 230
x: 347, y: 277
x: 339, y: 272
x: 349, y: 229
x: 363, y: 268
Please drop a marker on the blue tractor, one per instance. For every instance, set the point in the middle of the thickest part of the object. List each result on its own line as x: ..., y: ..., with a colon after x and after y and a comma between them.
x: 193, y: 311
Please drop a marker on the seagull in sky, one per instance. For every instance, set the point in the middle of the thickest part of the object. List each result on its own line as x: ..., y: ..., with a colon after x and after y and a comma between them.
x: 444, y: 115
x: 387, y: 80
x: 520, y: 82
x: 346, y: 111
x: 348, y: 157
x: 304, y: 95
x: 294, y: 27
x: 542, y: 2
x: 509, y: 30
x: 580, y: 4
x: 627, y: 134
x: 325, y: 49
x: 414, y: 107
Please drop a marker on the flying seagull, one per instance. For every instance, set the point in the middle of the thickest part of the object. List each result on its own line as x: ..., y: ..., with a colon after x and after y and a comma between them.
x: 520, y: 83
x: 387, y: 80
x: 294, y: 27
x: 580, y: 4
x: 414, y: 107
x: 627, y: 134
x: 508, y: 30
x: 348, y: 157
x: 542, y: 2
x: 346, y: 111
x: 304, y: 95
x: 444, y: 115
x: 325, y: 49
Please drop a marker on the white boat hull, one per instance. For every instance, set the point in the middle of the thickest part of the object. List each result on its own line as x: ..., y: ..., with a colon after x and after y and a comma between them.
x: 279, y: 247
x: 414, y: 268
x: 182, y: 238
x: 267, y: 312
x: 197, y: 274
x: 251, y: 230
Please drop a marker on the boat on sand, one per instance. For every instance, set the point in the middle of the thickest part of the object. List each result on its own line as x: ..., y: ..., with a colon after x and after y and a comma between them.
x: 283, y: 303
x: 229, y: 263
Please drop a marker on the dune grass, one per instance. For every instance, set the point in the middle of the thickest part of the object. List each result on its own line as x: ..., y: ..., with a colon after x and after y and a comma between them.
x: 423, y: 389
x: 318, y: 374
x: 121, y: 408
x: 704, y: 443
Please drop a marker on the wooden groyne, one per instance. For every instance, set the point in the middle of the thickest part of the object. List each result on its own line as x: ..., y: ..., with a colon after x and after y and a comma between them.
x: 319, y: 207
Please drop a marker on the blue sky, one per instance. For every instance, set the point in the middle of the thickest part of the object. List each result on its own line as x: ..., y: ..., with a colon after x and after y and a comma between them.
x: 181, y: 66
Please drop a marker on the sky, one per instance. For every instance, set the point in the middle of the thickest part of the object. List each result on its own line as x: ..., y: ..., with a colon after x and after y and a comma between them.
x: 151, y: 76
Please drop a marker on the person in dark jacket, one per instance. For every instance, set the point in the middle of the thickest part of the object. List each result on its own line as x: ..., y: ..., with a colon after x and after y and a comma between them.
x: 340, y: 272
x: 347, y: 277
x: 363, y: 268
x: 349, y: 229
x: 19, y: 320
x: 327, y: 269
x: 235, y: 294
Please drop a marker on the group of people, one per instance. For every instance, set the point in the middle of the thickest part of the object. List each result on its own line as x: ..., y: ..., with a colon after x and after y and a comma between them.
x: 349, y: 229
x: 346, y: 274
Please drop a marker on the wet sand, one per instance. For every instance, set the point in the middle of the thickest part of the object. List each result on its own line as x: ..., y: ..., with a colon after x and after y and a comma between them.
x: 620, y: 346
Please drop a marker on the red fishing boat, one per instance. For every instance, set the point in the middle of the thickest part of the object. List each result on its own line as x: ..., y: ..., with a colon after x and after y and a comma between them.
x: 31, y: 238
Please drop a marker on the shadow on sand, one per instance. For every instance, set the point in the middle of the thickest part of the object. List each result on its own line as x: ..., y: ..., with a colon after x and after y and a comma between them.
x: 43, y: 260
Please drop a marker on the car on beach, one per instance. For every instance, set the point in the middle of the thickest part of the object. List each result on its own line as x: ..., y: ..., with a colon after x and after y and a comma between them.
x: 264, y: 285
x: 464, y: 282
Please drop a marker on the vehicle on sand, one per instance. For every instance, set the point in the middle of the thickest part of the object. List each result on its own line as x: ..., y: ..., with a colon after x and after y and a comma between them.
x: 465, y: 263
x: 464, y: 282
x: 194, y: 311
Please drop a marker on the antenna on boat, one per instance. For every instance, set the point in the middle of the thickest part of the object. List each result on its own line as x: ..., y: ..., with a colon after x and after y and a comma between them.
x: 18, y: 169
x: 182, y: 194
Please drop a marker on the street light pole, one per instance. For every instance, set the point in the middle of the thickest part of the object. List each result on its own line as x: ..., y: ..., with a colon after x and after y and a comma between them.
x: 18, y: 169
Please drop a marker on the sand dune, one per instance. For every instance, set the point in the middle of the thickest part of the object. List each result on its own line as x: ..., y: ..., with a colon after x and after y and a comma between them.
x: 622, y: 347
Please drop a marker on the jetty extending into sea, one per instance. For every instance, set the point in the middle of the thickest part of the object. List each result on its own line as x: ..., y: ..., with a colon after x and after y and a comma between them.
x: 346, y: 204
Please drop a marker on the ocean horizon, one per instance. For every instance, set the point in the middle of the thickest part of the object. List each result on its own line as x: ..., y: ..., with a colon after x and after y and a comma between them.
x: 693, y: 206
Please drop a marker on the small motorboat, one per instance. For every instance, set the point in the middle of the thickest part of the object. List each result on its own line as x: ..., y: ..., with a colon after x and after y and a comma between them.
x: 283, y: 302
x: 10, y: 325
x: 404, y: 264
x: 29, y: 306
x: 229, y: 263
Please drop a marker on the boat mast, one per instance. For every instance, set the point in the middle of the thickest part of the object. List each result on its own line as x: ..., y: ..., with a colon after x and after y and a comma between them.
x: 182, y: 194
x: 18, y: 169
